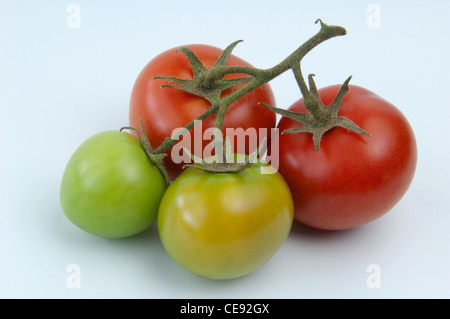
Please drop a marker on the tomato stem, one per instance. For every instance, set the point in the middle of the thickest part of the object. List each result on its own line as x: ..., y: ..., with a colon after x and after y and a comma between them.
x: 321, y: 118
x: 156, y: 158
x: 210, y: 83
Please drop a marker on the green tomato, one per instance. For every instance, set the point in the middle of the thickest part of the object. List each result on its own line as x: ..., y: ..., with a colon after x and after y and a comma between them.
x: 225, y: 225
x: 110, y: 188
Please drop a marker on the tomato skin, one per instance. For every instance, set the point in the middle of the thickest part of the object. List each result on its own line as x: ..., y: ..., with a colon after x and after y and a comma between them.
x: 225, y: 225
x: 110, y: 188
x: 353, y: 179
x: 164, y: 109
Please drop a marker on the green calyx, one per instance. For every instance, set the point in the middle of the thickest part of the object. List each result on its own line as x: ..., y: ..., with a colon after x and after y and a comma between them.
x: 225, y: 161
x: 320, y: 118
x: 206, y: 83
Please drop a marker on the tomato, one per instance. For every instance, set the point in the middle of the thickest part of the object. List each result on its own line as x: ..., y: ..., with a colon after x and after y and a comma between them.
x: 110, y: 188
x: 225, y: 225
x: 353, y: 179
x: 163, y: 110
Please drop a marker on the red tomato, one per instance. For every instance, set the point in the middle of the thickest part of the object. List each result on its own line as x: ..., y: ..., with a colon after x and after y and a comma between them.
x: 353, y: 179
x: 164, y: 109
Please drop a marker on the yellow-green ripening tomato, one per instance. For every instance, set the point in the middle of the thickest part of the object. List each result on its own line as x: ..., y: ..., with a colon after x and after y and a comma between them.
x: 110, y: 188
x: 225, y: 225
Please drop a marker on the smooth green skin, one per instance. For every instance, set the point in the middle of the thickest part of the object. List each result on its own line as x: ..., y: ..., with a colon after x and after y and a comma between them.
x: 110, y: 188
x: 225, y: 225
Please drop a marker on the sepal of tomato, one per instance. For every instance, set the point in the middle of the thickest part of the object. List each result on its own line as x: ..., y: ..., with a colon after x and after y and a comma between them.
x: 353, y: 179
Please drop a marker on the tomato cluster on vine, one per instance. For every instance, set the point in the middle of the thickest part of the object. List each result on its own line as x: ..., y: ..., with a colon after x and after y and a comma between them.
x: 340, y: 157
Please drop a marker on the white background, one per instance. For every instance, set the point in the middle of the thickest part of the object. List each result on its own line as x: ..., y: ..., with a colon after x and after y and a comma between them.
x: 60, y: 85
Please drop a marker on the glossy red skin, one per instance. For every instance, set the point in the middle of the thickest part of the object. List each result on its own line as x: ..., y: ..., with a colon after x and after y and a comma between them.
x: 164, y: 109
x: 353, y: 179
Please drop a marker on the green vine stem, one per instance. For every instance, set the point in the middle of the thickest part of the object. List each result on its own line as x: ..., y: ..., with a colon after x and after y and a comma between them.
x: 154, y: 157
x: 210, y: 83
x: 320, y: 118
